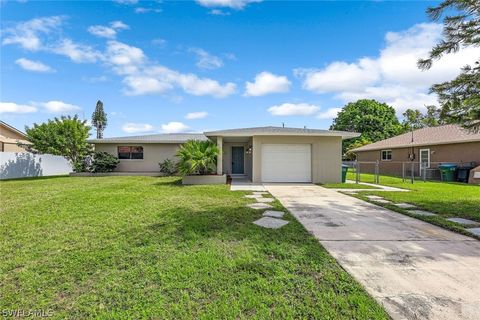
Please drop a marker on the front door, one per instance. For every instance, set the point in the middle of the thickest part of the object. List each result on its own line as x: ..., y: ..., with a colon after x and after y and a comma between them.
x: 237, y: 160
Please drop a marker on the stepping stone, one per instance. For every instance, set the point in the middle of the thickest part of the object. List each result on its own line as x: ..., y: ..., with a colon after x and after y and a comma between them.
x: 405, y: 205
x: 273, y: 214
x: 259, y: 193
x: 382, y: 201
x: 271, y: 223
x: 265, y: 200
x: 422, y: 213
x: 475, y: 231
x: 463, y: 221
x: 259, y: 206
x: 374, y: 197
x: 252, y: 196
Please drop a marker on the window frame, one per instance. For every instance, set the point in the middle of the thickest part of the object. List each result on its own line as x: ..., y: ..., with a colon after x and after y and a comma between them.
x: 131, y: 153
x: 387, y: 151
x: 428, y: 158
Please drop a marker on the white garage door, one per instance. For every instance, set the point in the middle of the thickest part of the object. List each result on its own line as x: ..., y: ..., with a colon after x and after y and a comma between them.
x: 286, y: 163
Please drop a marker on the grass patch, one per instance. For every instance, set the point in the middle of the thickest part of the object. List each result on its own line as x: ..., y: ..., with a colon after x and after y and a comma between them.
x: 447, y: 199
x: 146, y: 247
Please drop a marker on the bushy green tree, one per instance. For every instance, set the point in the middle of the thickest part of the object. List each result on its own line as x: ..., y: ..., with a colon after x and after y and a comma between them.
x: 349, y: 155
x: 415, y: 119
x: 460, y: 97
x: 374, y: 120
x: 65, y: 137
x: 197, y: 157
x: 99, y: 119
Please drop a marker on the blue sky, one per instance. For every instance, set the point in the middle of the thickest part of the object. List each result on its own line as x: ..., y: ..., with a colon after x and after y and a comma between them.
x: 213, y: 64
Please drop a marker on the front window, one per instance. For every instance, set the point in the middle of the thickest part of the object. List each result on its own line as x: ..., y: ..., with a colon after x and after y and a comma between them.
x: 135, y: 152
x: 386, y: 155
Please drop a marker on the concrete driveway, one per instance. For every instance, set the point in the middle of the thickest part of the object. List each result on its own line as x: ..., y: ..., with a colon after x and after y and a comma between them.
x: 414, y: 269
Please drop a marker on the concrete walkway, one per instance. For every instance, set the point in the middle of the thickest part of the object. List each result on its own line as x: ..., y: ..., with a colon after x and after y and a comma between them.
x: 415, y: 269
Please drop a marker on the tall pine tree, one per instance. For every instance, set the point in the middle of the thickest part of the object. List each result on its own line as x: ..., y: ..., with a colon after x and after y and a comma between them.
x: 460, y: 98
x: 99, y: 119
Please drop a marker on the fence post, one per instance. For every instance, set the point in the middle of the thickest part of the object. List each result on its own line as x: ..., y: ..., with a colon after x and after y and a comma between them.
x: 424, y: 171
x: 403, y: 171
x: 357, y: 172
x: 412, y: 169
x: 377, y: 173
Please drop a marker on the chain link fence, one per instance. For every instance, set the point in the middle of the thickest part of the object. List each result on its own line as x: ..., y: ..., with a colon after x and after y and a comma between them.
x: 408, y: 171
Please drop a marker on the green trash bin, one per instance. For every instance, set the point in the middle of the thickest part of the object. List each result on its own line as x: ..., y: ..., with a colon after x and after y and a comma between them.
x: 447, y: 172
x: 344, y: 172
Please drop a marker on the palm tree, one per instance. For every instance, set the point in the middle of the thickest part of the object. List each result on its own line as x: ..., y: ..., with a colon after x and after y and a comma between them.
x: 197, y: 157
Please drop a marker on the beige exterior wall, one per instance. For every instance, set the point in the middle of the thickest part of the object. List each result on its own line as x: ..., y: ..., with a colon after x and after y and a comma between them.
x: 459, y: 152
x: 8, y: 140
x: 326, y: 156
x: 227, y: 157
x: 153, y: 153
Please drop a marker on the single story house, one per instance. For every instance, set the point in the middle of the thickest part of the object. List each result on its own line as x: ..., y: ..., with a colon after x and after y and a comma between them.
x: 9, y: 137
x: 262, y: 154
x: 431, y: 146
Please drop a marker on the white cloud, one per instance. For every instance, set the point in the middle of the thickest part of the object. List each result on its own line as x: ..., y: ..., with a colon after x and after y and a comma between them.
x: 159, y: 42
x: 31, y: 65
x: 206, y: 60
x: 77, y: 52
x: 159, y: 79
x: 56, y: 106
x: 218, y: 12
x: 266, y: 83
x: 329, y: 114
x: 392, y: 76
x: 125, y: 59
x: 292, y: 109
x: 196, y: 115
x: 119, y: 25
x: 136, y: 127
x: 27, y: 34
x: 233, y: 4
x: 146, y: 10
x: 174, y: 127
x: 108, y: 32
x: 339, y: 76
x: 11, y: 107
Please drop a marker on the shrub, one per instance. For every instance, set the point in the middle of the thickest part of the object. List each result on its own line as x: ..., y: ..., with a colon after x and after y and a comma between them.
x: 100, y: 161
x: 197, y: 157
x: 168, y: 167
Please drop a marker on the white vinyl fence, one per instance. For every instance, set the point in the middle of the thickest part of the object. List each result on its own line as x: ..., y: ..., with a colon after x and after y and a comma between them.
x: 24, y: 164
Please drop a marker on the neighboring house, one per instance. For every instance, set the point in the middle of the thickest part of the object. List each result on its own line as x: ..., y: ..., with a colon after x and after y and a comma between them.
x: 9, y: 137
x: 263, y: 154
x: 431, y: 146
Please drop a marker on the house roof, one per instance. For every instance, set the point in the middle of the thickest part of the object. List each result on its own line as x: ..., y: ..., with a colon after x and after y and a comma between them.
x: 6, y: 125
x: 446, y: 134
x: 153, y: 138
x: 281, y: 131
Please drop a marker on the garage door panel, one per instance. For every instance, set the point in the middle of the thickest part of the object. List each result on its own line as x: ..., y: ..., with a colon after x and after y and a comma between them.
x: 286, y: 163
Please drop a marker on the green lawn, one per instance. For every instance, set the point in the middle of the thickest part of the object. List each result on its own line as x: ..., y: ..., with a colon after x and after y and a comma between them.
x: 446, y: 199
x: 144, y: 247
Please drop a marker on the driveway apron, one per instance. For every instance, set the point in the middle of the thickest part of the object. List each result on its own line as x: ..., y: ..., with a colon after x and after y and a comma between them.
x: 414, y: 269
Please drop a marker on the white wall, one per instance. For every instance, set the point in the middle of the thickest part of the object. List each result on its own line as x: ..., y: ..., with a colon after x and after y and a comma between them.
x: 25, y: 164
x: 153, y: 154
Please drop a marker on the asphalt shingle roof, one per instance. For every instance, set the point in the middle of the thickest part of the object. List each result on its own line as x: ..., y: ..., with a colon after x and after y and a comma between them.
x: 445, y: 134
x: 153, y: 138
x: 279, y: 131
